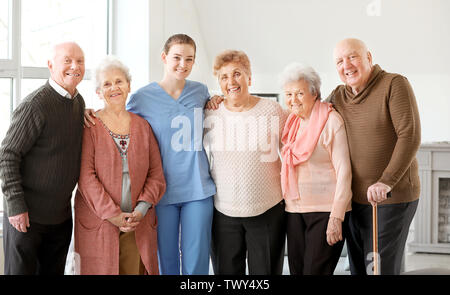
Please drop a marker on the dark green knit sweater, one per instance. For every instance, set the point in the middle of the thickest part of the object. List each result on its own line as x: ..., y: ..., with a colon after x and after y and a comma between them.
x: 40, y: 156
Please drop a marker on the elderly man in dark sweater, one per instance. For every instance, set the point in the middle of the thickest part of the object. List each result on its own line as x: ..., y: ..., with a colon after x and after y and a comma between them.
x: 383, y: 131
x: 40, y: 166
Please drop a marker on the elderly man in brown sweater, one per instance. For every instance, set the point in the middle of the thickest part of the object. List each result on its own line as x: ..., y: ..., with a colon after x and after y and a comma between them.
x: 383, y: 130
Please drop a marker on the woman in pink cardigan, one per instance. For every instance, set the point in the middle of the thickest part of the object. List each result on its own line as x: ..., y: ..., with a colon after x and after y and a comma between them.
x: 315, y: 175
x: 121, y: 180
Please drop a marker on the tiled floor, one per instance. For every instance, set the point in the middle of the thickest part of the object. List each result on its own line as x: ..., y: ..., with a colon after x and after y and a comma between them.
x: 340, y: 268
x: 413, y: 262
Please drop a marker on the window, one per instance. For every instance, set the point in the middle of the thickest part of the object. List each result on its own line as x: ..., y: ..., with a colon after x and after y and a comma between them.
x: 29, y: 85
x: 83, y: 21
x: 4, y: 28
x: 80, y: 20
x: 5, y: 112
x: 24, y: 53
x: 5, y: 105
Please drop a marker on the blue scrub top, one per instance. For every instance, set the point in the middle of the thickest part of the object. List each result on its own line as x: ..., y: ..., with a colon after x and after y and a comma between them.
x: 178, y: 128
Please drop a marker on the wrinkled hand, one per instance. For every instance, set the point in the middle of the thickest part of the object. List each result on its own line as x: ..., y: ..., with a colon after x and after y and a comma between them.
x: 120, y: 220
x: 20, y: 222
x: 377, y: 193
x: 132, y: 222
x: 88, y: 117
x: 214, y: 102
x: 334, y: 231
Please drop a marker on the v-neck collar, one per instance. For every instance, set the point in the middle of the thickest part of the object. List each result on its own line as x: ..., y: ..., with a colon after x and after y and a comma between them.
x: 109, y: 132
x: 176, y: 100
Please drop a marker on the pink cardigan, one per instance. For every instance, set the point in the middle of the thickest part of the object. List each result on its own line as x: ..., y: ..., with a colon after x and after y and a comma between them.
x: 325, y: 180
x: 100, y: 191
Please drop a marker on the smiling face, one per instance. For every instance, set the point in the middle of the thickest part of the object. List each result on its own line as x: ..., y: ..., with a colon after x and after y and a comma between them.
x: 114, y: 87
x: 299, y: 99
x: 67, y: 66
x: 234, y: 81
x: 353, y: 63
x: 179, y: 61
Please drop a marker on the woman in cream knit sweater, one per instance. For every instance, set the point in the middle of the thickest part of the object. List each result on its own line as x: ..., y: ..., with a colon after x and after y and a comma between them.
x: 242, y: 138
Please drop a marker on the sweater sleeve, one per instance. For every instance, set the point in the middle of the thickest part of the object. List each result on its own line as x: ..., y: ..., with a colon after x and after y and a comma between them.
x: 340, y: 157
x: 26, y: 126
x: 143, y: 207
x: 405, y: 119
x: 155, y: 183
x: 282, y: 114
x: 90, y: 187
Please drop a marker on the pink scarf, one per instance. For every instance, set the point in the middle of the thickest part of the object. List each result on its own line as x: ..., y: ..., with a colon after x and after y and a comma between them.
x: 298, y: 148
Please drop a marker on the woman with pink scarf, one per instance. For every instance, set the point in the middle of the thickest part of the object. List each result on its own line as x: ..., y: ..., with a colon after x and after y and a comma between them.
x: 315, y: 175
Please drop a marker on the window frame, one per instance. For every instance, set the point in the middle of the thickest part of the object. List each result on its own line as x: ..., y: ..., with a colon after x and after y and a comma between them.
x: 13, y: 69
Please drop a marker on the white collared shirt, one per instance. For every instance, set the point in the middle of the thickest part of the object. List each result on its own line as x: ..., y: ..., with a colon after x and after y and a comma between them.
x: 60, y: 90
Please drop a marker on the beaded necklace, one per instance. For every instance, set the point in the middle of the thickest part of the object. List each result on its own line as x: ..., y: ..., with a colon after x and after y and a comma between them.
x: 121, y: 141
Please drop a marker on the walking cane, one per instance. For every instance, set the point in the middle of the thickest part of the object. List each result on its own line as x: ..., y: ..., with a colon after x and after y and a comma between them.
x: 375, y: 239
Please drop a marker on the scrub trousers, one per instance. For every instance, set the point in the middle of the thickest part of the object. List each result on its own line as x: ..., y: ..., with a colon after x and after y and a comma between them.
x: 184, y: 237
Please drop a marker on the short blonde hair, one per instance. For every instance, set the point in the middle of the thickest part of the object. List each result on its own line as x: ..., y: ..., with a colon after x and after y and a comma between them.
x: 108, y: 63
x: 229, y: 56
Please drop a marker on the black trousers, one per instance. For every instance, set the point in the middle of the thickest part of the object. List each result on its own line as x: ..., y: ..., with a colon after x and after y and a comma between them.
x: 260, y: 239
x: 393, y: 227
x: 41, y: 250
x: 308, y: 250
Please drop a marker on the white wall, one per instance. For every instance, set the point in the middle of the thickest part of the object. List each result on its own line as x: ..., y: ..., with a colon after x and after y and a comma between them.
x: 411, y: 37
x: 131, y: 38
x: 141, y: 30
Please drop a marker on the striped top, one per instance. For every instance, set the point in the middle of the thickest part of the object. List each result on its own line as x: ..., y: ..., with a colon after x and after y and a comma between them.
x: 383, y: 132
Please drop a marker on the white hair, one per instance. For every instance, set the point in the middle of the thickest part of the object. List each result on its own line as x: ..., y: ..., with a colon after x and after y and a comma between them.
x: 296, y: 72
x: 108, y: 63
x: 55, y: 46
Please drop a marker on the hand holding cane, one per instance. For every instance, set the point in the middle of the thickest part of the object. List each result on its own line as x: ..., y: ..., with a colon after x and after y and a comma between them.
x: 376, y: 263
x: 377, y: 192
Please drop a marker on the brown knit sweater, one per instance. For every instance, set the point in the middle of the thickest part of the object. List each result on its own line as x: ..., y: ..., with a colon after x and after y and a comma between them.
x: 383, y: 131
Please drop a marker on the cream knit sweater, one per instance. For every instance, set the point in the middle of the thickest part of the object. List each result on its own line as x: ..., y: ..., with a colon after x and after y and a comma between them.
x: 243, y: 152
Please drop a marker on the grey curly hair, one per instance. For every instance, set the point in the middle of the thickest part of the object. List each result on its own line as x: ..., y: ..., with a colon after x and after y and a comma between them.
x: 108, y: 63
x: 296, y: 72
